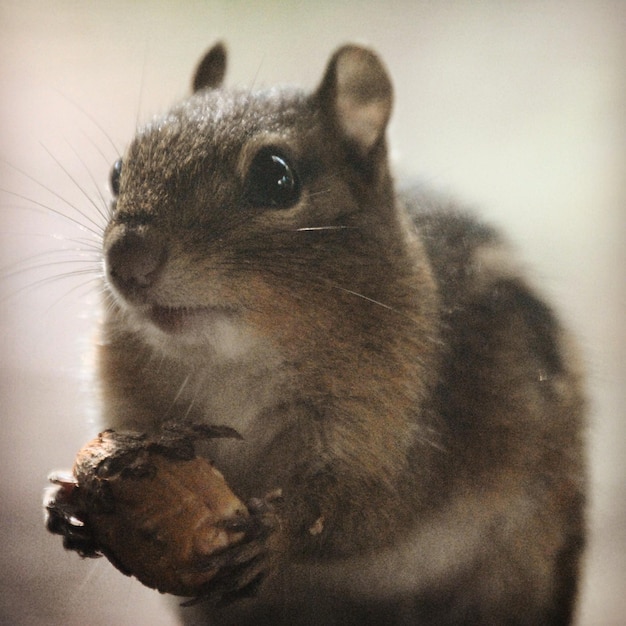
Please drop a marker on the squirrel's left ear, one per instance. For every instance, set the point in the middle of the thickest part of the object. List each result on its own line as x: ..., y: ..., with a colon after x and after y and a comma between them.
x: 356, y: 93
x: 210, y: 71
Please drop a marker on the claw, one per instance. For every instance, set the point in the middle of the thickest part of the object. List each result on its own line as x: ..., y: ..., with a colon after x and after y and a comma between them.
x: 63, y: 518
x: 62, y: 478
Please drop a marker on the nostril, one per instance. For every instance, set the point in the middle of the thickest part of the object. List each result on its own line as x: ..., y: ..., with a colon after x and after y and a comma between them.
x: 134, y: 260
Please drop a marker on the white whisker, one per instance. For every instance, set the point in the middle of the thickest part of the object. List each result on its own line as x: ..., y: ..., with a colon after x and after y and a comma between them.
x: 79, y: 187
x: 37, y: 284
x: 93, y: 282
x: 316, y: 228
x: 180, y: 390
x: 99, y: 207
x: 364, y: 297
x: 97, y: 230
x: 32, y: 264
x: 91, y: 119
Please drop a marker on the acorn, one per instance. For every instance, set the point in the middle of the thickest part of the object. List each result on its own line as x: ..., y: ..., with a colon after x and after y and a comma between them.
x: 152, y: 507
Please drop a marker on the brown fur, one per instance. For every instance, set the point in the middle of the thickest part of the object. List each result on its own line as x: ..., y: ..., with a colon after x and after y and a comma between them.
x: 413, y: 399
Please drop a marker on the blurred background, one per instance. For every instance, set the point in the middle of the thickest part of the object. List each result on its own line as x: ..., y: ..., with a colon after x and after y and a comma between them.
x: 518, y: 109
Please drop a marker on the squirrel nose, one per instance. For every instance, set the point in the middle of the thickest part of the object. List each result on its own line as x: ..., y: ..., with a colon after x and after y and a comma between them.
x: 134, y: 260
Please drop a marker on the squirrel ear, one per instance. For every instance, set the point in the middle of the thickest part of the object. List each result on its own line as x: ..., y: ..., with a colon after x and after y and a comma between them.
x: 357, y: 93
x: 210, y: 71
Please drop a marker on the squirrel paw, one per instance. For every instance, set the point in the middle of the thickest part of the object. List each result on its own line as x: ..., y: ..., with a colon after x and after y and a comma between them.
x: 242, y: 567
x: 64, y: 517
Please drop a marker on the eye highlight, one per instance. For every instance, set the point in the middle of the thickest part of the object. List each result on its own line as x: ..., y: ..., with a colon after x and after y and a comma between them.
x: 114, y: 177
x: 272, y: 181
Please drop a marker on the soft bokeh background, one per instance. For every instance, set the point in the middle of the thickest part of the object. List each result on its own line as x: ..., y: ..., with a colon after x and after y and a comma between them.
x: 518, y: 108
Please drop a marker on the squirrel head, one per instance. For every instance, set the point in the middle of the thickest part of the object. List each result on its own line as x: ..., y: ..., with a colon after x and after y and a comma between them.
x: 259, y: 202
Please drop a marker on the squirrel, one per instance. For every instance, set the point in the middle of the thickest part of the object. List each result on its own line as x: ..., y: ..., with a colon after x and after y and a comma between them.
x: 386, y: 363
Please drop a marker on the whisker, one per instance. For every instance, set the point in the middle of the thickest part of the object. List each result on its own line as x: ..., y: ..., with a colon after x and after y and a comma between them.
x: 85, y: 245
x: 108, y: 301
x: 316, y: 228
x: 78, y: 186
x: 32, y: 264
x: 97, y: 230
x: 48, y: 280
x: 192, y: 402
x: 429, y: 443
x: 92, y: 119
x: 94, y: 144
x: 256, y: 76
x: 95, y: 280
x: 48, y: 190
x: 142, y: 85
x: 102, y: 213
x: 367, y: 298
x: 296, y: 269
x: 92, y: 246
x: 180, y: 391
x: 321, y: 192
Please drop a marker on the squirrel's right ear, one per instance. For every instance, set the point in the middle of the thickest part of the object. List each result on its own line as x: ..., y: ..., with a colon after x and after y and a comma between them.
x: 356, y: 94
x: 211, y: 69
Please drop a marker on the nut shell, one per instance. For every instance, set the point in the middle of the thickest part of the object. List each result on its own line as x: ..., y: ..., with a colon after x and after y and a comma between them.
x: 153, y: 514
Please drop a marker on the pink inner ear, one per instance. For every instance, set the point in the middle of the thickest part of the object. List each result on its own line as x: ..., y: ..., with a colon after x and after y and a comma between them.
x: 363, y: 96
x: 363, y: 123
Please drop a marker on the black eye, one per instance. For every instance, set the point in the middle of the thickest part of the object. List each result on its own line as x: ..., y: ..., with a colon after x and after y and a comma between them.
x: 114, y: 177
x: 272, y: 181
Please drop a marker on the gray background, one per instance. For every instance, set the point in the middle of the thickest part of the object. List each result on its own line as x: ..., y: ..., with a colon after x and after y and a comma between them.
x: 517, y: 108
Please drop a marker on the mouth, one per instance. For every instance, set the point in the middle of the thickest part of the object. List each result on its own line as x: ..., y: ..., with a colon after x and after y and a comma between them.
x: 174, y: 320
x: 168, y: 319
